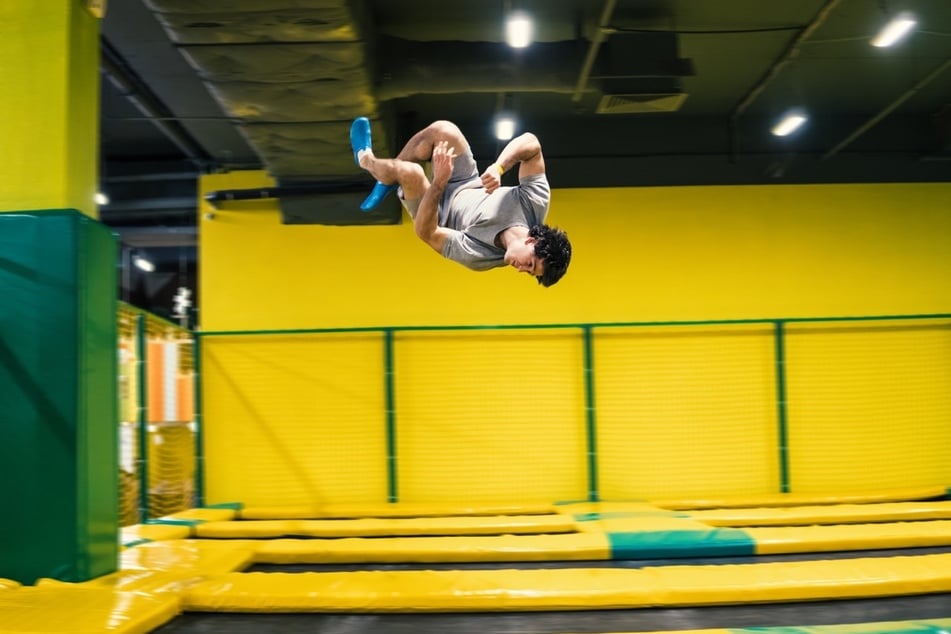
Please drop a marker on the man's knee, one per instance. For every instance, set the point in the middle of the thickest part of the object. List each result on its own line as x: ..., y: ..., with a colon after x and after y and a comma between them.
x: 446, y: 130
x: 412, y: 179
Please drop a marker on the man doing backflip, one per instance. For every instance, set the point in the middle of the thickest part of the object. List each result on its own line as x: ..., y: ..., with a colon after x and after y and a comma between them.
x: 468, y: 218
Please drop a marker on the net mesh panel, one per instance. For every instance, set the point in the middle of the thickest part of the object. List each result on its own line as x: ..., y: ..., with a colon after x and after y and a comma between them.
x: 171, y: 436
x: 869, y: 405
x: 169, y: 423
x: 128, y: 417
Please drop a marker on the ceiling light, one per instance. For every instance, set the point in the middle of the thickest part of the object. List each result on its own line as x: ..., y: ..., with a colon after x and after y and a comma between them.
x: 518, y: 30
x: 100, y: 199
x: 504, y: 128
x: 900, y: 26
x: 789, y: 124
x: 142, y: 263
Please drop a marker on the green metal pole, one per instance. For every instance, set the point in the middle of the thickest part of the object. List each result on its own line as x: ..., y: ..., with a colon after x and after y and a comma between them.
x: 199, y: 435
x: 780, y: 337
x: 142, y: 464
x: 592, y: 431
x: 389, y: 389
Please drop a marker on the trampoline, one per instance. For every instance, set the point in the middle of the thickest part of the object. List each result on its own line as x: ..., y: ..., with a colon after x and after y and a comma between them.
x: 881, y: 563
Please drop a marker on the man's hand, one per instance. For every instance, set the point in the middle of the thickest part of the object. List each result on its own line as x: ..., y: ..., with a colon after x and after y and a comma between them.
x: 443, y: 156
x: 492, y: 178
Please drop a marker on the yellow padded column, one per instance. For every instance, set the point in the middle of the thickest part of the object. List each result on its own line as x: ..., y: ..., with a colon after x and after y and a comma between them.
x: 49, y: 123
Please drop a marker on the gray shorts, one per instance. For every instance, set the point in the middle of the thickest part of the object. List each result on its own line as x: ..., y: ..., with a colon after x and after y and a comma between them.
x: 465, y: 175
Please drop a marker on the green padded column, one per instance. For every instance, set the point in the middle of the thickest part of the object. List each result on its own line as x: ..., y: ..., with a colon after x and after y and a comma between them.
x: 58, y: 397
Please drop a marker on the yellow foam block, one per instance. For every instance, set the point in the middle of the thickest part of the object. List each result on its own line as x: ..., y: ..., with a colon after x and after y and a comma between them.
x: 189, y: 556
x: 9, y: 584
x: 372, y: 527
x: 797, y: 539
x: 570, y: 589
x: 800, y: 499
x: 150, y: 581
x: 402, y: 509
x: 69, y: 609
x: 567, y: 547
x: 130, y: 535
x: 836, y: 514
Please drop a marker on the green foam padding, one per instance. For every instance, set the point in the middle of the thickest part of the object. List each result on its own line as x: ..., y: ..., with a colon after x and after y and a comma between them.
x: 718, y: 542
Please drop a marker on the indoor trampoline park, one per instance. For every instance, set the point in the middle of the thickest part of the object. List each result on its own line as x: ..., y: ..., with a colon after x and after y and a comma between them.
x: 731, y: 413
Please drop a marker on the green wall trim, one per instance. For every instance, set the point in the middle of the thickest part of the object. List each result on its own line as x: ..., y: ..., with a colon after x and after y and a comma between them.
x: 781, y: 420
x: 389, y: 388
x: 199, y: 433
x: 717, y: 542
x: 590, y: 416
x: 141, y: 418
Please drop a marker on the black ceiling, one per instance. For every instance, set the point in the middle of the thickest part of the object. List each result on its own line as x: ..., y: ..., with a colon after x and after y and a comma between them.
x: 620, y: 92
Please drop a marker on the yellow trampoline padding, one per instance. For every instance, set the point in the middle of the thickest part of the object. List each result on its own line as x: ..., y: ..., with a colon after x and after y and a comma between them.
x: 797, y: 539
x: 569, y: 589
x: 9, y: 584
x: 401, y: 509
x: 72, y: 609
x: 150, y: 581
x: 188, y: 556
x: 203, y: 515
x: 800, y: 499
x: 395, y: 527
x: 930, y: 626
x: 837, y: 514
x: 566, y: 547
x: 131, y: 535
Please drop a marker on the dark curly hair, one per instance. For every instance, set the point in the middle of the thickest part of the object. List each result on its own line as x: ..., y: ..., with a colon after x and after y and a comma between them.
x: 551, y: 244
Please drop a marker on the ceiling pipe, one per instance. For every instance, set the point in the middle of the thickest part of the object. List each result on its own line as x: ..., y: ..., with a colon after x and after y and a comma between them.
x: 600, y: 36
x: 788, y: 55
x: 862, y: 129
x: 133, y: 89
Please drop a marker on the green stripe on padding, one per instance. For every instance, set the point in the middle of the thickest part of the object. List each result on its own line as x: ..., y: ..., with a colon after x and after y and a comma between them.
x: 933, y: 626
x: 593, y: 517
x: 722, y: 542
x: 234, y: 506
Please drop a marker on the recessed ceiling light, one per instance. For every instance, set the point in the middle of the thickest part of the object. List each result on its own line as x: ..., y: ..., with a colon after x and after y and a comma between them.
x: 504, y: 128
x: 893, y: 32
x: 789, y: 124
x: 518, y: 30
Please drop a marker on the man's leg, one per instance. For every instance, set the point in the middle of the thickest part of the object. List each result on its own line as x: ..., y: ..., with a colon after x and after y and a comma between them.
x: 417, y: 150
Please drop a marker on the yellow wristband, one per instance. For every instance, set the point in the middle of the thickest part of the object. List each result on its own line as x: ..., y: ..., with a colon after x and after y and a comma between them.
x: 501, y: 169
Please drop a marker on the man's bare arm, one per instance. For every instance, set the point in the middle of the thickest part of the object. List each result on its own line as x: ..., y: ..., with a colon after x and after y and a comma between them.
x: 525, y: 150
x: 426, y: 223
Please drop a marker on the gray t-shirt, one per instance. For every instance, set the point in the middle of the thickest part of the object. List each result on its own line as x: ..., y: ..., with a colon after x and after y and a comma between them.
x: 476, y: 218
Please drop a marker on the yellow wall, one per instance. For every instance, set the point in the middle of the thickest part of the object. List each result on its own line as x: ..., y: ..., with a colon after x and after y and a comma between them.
x: 49, y: 62
x: 503, y: 415
x: 639, y: 254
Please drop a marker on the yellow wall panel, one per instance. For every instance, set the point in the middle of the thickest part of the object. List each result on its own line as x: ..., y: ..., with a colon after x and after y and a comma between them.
x: 640, y: 254
x: 490, y: 416
x: 869, y: 405
x: 294, y: 419
x: 500, y: 416
x: 685, y: 411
